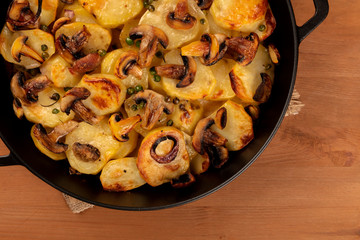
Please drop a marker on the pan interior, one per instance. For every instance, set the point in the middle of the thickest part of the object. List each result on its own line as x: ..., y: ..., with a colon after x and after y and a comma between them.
x: 16, y: 135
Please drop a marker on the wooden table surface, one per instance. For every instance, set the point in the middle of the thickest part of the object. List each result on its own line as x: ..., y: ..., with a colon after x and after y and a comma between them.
x: 306, y: 185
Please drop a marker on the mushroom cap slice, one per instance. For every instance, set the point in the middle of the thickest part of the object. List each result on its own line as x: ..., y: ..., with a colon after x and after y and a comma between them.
x: 245, y: 80
x: 177, y: 37
x: 243, y: 49
x: 20, y: 17
x: 204, y: 4
x: 180, y: 18
x: 162, y: 156
x: 127, y: 64
x: 121, y: 175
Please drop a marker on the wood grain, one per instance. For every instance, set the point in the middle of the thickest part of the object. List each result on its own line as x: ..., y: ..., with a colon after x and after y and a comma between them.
x: 306, y: 185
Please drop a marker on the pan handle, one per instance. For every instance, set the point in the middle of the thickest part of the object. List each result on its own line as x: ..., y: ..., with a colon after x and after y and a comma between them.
x: 321, y: 12
x: 8, y: 160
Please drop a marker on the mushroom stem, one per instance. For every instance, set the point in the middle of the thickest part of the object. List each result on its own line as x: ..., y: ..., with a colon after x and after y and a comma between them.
x: 181, y: 18
x: 19, y: 48
x: 195, y: 49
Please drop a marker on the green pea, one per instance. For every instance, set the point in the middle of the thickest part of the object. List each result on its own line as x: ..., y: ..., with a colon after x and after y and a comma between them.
x: 44, y: 47
x: 129, y: 41
x: 262, y: 28
x: 138, y: 88
x: 45, y: 55
x: 55, y: 111
x: 137, y: 43
x: 151, y: 8
x: 134, y: 107
x: 102, y: 52
x: 153, y: 71
x: 44, y: 28
x: 55, y: 97
x: 202, y: 21
x: 170, y: 122
x: 142, y: 104
x: 130, y: 91
x: 157, y: 78
x: 67, y: 88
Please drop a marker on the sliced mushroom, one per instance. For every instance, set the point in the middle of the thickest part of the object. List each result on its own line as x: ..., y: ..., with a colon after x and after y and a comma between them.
x: 183, y: 181
x: 86, y: 64
x: 221, y: 118
x: 210, y: 144
x: 150, y: 38
x: 127, y: 64
x: 72, y: 96
x: 86, y: 152
x: 253, y: 111
x: 120, y: 127
x: 27, y: 91
x: 155, y: 106
x: 185, y: 73
x: 274, y: 53
x: 204, y: 4
x: 211, y: 48
x: 51, y: 140
x: 69, y: 47
x: 181, y: 18
x: 19, y: 48
x: 17, y: 107
x: 243, y: 49
x: 163, y: 156
x: 20, y: 17
x: 85, y: 113
x: 263, y: 92
x: 59, y: 23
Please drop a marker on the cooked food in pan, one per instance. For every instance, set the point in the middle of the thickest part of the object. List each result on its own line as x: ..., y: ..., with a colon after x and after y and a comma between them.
x: 140, y: 92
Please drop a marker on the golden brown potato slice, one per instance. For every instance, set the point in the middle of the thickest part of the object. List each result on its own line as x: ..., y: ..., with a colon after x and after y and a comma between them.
x: 238, y: 126
x: 240, y: 15
x: 113, y: 13
x: 90, y: 147
x: 46, y: 110
x: 48, y: 11
x: 186, y: 115
x: 177, y: 37
x: 107, y: 93
x: 100, y: 38
x: 57, y: 70
x: 202, y: 86
x: 36, y: 39
x: 222, y: 90
x: 81, y: 15
x: 162, y: 156
x: 121, y: 175
x: 247, y: 79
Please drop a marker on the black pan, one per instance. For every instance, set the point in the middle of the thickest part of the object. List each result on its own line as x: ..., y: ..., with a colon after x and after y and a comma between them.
x: 16, y: 133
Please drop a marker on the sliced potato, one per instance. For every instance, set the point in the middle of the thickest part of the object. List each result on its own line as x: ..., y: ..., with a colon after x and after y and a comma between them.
x: 36, y: 38
x: 48, y: 10
x: 44, y: 150
x: 239, y: 15
x: 91, y: 138
x: 43, y: 110
x: 100, y: 37
x: 113, y: 13
x: 125, y: 33
x: 107, y: 93
x: 239, y: 126
x: 246, y: 79
x: 121, y: 175
x: 186, y: 115
x: 81, y: 15
x: 202, y: 86
x: 222, y: 90
x: 108, y: 67
x: 199, y: 164
x: 177, y: 37
x: 57, y: 70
